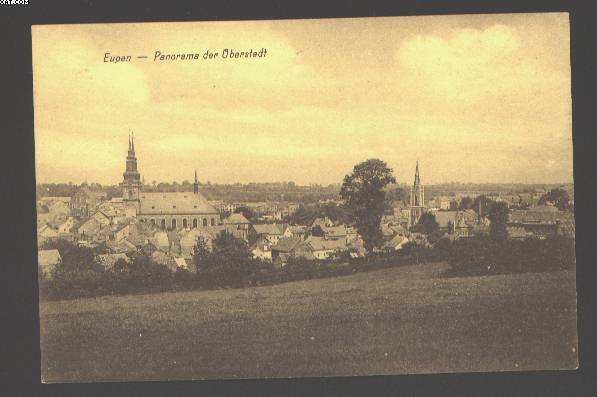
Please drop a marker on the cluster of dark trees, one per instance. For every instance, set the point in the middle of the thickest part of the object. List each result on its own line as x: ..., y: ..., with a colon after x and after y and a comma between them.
x: 482, y: 255
x: 558, y: 197
x: 307, y: 213
x: 230, y: 265
x: 79, y: 275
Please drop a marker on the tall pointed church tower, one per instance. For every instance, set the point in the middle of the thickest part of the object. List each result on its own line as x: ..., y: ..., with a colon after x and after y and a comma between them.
x: 196, y: 184
x: 417, y: 199
x: 131, y: 185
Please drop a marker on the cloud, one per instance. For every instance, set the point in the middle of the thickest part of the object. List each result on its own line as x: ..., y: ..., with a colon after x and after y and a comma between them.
x: 329, y: 94
x: 474, y: 65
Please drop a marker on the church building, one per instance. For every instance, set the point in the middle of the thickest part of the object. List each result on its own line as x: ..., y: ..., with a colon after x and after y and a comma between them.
x: 168, y: 210
x: 417, y: 199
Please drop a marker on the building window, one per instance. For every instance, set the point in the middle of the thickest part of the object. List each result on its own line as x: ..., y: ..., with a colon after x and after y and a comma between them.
x: 173, y: 223
x: 184, y: 223
x: 195, y: 222
x: 153, y: 222
x: 213, y: 222
x: 204, y: 221
x: 163, y: 223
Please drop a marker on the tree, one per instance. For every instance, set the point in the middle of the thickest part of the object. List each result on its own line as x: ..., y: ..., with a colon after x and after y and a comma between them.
x: 466, y: 203
x: 482, y: 204
x: 399, y: 194
x: 200, y: 253
x: 363, y: 195
x: 498, y: 216
x: 426, y: 224
x: 227, y: 264
x: 336, y: 213
x: 558, y: 197
x: 300, y: 217
x: 246, y: 211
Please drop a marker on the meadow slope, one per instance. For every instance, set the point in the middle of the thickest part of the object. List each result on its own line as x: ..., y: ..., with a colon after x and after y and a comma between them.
x: 398, y: 320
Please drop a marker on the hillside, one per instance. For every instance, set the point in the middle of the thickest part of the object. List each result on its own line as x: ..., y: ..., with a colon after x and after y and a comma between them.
x: 397, y: 320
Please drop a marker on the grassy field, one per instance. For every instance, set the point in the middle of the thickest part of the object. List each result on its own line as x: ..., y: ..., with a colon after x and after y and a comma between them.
x: 399, y: 320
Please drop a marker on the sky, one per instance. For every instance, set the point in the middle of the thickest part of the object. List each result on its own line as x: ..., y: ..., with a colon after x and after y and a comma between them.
x: 474, y: 98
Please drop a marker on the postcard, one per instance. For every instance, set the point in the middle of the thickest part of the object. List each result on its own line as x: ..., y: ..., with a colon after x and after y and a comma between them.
x: 304, y: 198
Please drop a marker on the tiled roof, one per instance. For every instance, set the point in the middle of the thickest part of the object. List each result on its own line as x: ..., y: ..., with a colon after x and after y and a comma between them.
x: 541, y: 216
x: 287, y: 244
x: 334, y: 231
x: 267, y: 228
x: 174, y: 203
x: 121, y: 246
x: 297, y: 229
x: 236, y: 219
x: 394, y: 242
x: 321, y: 244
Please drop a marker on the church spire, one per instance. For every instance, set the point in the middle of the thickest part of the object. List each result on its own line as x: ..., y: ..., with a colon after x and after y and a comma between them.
x: 417, y: 177
x: 417, y: 199
x: 132, y: 179
x: 133, y: 142
x: 196, y: 184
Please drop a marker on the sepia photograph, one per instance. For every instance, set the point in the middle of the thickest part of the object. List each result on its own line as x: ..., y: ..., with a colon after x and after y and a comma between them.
x: 304, y: 197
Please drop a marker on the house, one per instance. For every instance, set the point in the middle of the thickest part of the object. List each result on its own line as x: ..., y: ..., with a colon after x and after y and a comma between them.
x: 262, y: 250
x: 332, y: 232
x: 46, y: 233
x: 87, y: 229
x: 237, y: 219
x: 119, y: 232
x: 322, y: 248
x: 49, y: 200
x: 395, y: 243
x: 121, y: 247
x: 102, y: 217
x: 542, y: 221
x: 299, y: 231
x: 160, y: 241
x: 458, y: 223
x: 269, y: 232
x: 238, y: 226
x: 285, y: 248
x: 47, y: 261
x: 66, y: 226
x: 84, y: 202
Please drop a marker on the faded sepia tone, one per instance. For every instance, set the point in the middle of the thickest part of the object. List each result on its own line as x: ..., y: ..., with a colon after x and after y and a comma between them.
x: 354, y: 197
x: 329, y: 93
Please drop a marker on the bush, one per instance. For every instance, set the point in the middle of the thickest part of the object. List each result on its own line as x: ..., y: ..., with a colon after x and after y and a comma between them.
x: 482, y: 255
x: 228, y: 264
